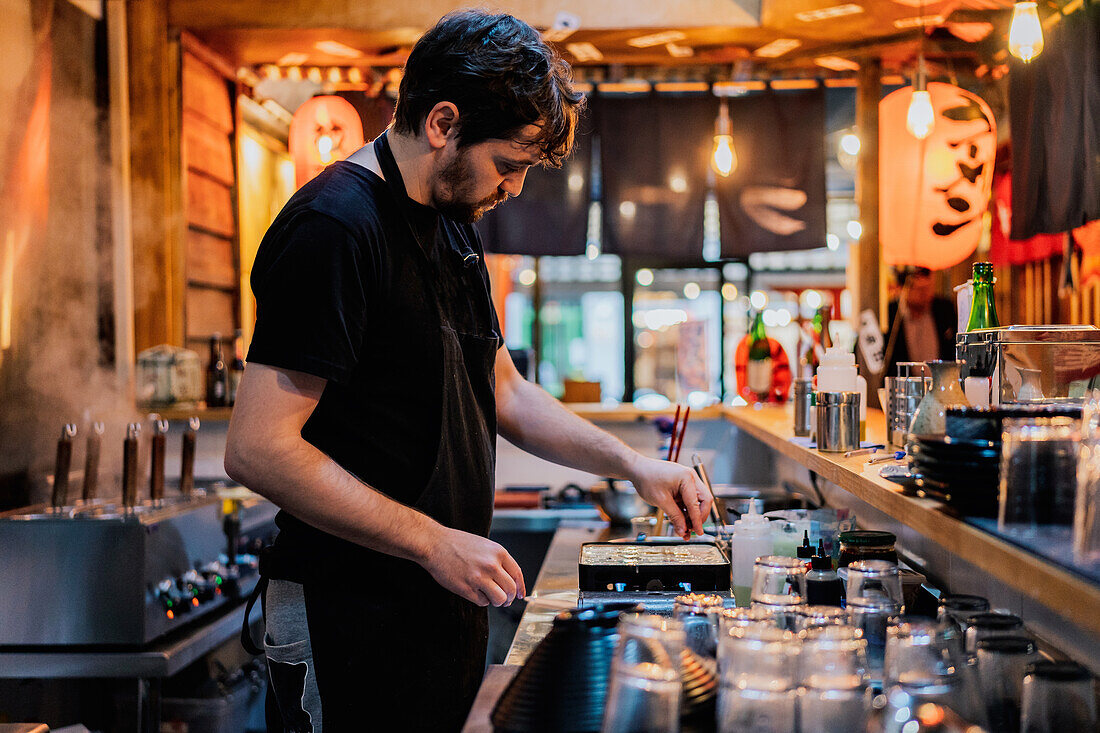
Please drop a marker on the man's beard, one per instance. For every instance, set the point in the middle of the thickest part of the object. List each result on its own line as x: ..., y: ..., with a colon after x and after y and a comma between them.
x: 454, y: 179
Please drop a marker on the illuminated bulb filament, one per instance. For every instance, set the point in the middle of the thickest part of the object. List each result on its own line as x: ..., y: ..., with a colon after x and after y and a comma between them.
x: 324, y: 148
x: 1025, y: 35
x: 725, y: 160
x: 921, y: 116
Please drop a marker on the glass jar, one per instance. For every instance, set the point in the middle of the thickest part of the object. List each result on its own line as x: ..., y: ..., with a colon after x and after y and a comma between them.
x: 863, y: 544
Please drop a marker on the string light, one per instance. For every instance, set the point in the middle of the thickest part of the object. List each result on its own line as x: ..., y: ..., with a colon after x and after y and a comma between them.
x: 724, y: 158
x: 1025, y: 34
x: 920, y: 118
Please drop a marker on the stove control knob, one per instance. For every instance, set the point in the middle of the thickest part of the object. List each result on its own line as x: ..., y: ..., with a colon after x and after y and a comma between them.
x: 170, y: 598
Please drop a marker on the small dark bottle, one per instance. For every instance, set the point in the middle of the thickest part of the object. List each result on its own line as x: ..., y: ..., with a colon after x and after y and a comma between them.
x: 823, y: 586
x: 236, y: 369
x: 217, y: 376
x: 805, y: 551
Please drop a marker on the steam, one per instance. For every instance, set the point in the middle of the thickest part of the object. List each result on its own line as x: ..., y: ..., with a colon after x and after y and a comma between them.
x: 57, y: 254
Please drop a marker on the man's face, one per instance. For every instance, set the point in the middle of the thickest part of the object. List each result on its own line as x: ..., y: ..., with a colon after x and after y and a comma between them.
x: 920, y: 293
x: 473, y: 179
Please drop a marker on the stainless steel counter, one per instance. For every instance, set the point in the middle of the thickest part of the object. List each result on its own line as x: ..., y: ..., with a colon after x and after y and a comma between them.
x: 558, y: 582
x: 540, y: 520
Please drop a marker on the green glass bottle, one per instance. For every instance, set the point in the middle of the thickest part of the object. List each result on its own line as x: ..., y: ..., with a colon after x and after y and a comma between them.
x: 759, y: 367
x: 983, y: 309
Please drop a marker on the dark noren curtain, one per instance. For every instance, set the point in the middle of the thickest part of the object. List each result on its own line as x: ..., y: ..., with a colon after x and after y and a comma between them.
x: 654, y: 153
x: 1054, y: 109
x: 550, y: 216
x: 775, y: 199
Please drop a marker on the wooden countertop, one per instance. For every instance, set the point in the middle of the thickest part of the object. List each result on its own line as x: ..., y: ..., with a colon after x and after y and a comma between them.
x: 1076, y: 597
x: 595, y: 411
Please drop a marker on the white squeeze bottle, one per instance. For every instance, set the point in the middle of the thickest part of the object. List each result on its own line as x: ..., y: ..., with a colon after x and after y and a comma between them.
x: 752, y: 538
x: 837, y: 371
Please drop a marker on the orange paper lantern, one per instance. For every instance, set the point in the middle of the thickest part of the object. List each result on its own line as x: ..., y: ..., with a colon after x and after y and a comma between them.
x: 934, y: 192
x: 324, y: 130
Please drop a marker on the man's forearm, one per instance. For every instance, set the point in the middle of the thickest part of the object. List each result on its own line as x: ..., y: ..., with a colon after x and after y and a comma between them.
x: 539, y: 424
x: 307, y: 483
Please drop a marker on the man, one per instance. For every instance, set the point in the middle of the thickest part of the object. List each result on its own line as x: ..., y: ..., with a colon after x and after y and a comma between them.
x: 376, y: 385
x: 925, y: 329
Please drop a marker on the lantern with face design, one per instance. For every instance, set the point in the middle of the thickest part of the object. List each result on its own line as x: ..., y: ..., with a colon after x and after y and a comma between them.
x: 934, y: 192
x: 324, y: 130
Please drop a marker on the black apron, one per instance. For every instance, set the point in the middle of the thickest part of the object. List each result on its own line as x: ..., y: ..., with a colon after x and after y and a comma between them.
x: 393, y: 650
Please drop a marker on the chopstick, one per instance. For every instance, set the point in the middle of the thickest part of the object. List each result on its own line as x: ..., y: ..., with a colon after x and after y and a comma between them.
x: 717, y: 509
x: 683, y: 429
x: 679, y: 428
x: 672, y: 441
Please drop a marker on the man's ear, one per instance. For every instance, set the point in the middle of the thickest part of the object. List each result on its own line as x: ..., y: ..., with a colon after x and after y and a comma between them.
x: 441, y: 124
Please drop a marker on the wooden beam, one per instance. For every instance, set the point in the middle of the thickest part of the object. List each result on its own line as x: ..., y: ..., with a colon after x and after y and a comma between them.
x: 384, y: 14
x: 121, y: 234
x: 864, y: 279
x: 156, y: 180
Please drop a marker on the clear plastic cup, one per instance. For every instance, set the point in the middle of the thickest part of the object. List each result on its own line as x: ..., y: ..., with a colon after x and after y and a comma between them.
x: 645, y: 687
x: 835, y: 693
x: 758, y: 680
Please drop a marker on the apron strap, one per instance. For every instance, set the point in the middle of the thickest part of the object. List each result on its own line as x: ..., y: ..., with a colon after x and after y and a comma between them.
x: 247, y: 641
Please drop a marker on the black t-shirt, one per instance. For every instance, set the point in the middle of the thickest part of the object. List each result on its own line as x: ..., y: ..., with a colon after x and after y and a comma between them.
x: 341, y: 293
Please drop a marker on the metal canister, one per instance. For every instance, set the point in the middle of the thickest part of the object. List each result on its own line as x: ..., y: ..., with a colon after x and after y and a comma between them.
x: 903, y: 394
x: 803, y: 407
x: 837, y: 421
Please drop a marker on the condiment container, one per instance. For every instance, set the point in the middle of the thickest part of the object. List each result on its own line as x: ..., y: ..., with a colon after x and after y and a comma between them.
x: 752, y: 538
x: 838, y: 421
x: 863, y: 544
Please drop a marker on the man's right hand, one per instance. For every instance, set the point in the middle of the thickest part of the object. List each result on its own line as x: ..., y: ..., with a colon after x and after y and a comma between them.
x: 475, y: 568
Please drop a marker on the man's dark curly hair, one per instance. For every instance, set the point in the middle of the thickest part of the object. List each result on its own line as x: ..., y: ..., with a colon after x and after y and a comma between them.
x: 502, y: 77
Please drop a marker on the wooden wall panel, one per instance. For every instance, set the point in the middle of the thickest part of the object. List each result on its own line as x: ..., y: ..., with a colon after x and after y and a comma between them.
x: 210, y: 205
x: 210, y: 190
x: 155, y: 199
x: 206, y: 93
x: 206, y: 149
x: 210, y: 259
x: 210, y: 310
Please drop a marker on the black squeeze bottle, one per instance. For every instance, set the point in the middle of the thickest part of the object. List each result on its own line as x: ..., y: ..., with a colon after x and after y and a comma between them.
x: 805, y: 551
x: 823, y: 586
x: 217, y: 376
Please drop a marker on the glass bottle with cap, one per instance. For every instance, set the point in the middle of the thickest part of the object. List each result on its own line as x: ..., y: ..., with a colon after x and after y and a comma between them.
x: 983, y: 308
x: 982, y: 626
x: 1002, y: 664
x: 1058, y: 698
x: 865, y: 544
x: 957, y: 608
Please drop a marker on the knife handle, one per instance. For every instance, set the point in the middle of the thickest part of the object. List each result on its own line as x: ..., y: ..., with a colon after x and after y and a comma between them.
x: 91, y: 462
x: 130, y: 465
x: 187, y: 457
x: 62, y: 466
x: 156, y: 464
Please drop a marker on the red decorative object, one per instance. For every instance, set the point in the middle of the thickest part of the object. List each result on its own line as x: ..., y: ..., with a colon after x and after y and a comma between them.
x: 934, y: 192
x: 781, y: 372
x: 324, y: 130
x: 1005, y: 251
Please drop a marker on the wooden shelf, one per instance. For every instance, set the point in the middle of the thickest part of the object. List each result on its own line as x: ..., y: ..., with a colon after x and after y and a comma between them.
x: 1076, y: 597
x: 206, y: 414
x: 627, y: 412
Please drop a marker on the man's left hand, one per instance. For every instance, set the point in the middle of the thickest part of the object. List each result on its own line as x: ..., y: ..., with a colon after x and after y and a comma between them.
x: 674, y: 489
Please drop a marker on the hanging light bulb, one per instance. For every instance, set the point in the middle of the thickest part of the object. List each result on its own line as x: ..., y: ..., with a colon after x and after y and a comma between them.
x: 1025, y: 35
x: 324, y: 149
x: 921, y: 117
x: 723, y: 159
